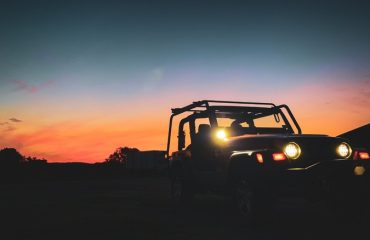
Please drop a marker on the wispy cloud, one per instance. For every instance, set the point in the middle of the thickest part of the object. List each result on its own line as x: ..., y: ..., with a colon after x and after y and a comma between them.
x: 6, y: 127
x: 15, y: 120
x: 9, y: 128
x: 24, y: 86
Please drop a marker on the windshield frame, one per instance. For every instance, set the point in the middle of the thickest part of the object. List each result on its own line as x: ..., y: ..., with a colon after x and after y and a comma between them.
x: 204, y: 107
x: 245, y: 114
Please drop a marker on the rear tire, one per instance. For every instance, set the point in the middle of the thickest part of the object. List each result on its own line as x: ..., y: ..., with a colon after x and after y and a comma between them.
x: 181, y: 191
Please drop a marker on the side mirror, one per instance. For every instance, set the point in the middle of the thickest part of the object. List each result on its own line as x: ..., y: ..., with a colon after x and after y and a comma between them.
x: 181, y: 138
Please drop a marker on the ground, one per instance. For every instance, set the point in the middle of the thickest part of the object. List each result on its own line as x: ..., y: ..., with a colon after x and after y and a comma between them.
x: 140, y: 208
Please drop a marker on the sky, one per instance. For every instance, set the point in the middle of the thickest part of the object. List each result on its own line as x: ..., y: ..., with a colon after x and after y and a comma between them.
x: 80, y: 78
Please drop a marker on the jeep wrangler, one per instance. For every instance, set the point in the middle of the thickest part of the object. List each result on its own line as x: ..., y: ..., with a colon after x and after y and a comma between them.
x: 256, y: 153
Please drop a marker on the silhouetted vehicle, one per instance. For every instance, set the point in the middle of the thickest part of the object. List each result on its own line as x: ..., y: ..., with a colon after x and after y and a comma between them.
x: 256, y: 153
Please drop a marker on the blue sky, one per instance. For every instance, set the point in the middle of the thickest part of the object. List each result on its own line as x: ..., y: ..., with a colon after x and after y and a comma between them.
x: 81, y: 60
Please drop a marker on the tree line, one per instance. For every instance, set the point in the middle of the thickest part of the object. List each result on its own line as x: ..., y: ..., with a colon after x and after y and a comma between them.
x: 11, y: 157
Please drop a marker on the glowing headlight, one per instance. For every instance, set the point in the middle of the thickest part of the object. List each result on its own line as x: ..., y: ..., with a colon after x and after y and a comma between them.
x: 221, y: 135
x: 344, y: 150
x: 292, y: 150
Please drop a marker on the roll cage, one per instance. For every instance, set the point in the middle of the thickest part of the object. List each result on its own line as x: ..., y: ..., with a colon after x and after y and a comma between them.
x: 208, y: 109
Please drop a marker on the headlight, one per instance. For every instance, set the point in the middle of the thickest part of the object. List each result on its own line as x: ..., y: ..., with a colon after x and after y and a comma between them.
x: 292, y: 150
x: 344, y: 150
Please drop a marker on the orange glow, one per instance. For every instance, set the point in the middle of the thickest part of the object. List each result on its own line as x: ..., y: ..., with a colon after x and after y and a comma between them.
x: 88, y: 129
x: 364, y: 155
x: 81, y: 141
x: 278, y: 156
x: 259, y: 157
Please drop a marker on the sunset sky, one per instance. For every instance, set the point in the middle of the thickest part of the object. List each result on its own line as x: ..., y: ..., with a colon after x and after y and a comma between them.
x: 81, y: 78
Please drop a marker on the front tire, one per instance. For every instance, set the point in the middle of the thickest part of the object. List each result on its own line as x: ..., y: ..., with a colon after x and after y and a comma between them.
x: 244, y: 199
x: 253, y: 203
x: 349, y: 202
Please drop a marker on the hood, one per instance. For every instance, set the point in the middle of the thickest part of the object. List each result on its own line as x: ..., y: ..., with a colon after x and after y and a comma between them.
x: 274, y: 140
x: 313, y: 146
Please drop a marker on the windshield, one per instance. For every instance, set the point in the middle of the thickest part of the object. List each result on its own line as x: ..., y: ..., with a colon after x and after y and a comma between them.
x: 247, y: 123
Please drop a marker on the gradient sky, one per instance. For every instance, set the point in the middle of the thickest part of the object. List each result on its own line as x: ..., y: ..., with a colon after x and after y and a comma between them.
x: 81, y: 78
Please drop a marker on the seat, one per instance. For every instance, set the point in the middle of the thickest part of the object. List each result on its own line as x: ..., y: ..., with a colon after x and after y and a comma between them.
x: 204, y: 131
x: 202, y: 148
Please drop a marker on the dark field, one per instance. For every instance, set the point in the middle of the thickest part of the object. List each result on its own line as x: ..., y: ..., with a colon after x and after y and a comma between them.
x: 140, y: 208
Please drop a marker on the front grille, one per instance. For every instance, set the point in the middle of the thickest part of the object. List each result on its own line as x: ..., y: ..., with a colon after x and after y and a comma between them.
x: 315, y: 150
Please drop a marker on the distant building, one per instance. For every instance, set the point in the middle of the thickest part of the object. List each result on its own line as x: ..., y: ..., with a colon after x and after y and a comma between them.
x: 154, y: 159
x: 359, y: 137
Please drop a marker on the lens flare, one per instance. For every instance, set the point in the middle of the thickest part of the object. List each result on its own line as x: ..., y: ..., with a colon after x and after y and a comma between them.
x: 221, y: 135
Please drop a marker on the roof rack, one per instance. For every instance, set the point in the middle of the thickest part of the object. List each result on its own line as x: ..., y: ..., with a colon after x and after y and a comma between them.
x: 206, y: 104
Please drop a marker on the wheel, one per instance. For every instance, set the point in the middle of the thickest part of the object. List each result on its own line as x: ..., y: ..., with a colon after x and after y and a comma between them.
x: 176, y: 189
x: 245, y: 201
x: 253, y: 204
x: 181, y: 191
x: 348, y: 202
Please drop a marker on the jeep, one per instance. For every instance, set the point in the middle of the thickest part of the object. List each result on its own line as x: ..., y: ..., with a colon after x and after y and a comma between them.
x: 256, y: 153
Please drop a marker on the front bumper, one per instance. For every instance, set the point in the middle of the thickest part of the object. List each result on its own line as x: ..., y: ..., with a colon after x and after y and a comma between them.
x: 322, y: 178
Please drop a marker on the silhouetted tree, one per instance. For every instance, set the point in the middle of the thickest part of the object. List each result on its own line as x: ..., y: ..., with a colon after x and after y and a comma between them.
x: 34, y: 161
x: 10, y: 157
x: 30, y: 159
x: 121, y: 155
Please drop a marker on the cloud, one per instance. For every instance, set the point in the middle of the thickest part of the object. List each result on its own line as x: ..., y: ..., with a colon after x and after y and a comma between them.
x: 15, y: 120
x: 21, y: 85
x: 6, y: 127
x: 9, y: 128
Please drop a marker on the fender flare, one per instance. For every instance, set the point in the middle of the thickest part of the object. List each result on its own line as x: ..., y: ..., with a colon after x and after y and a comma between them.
x: 242, y: 164
x: 180, y: 165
